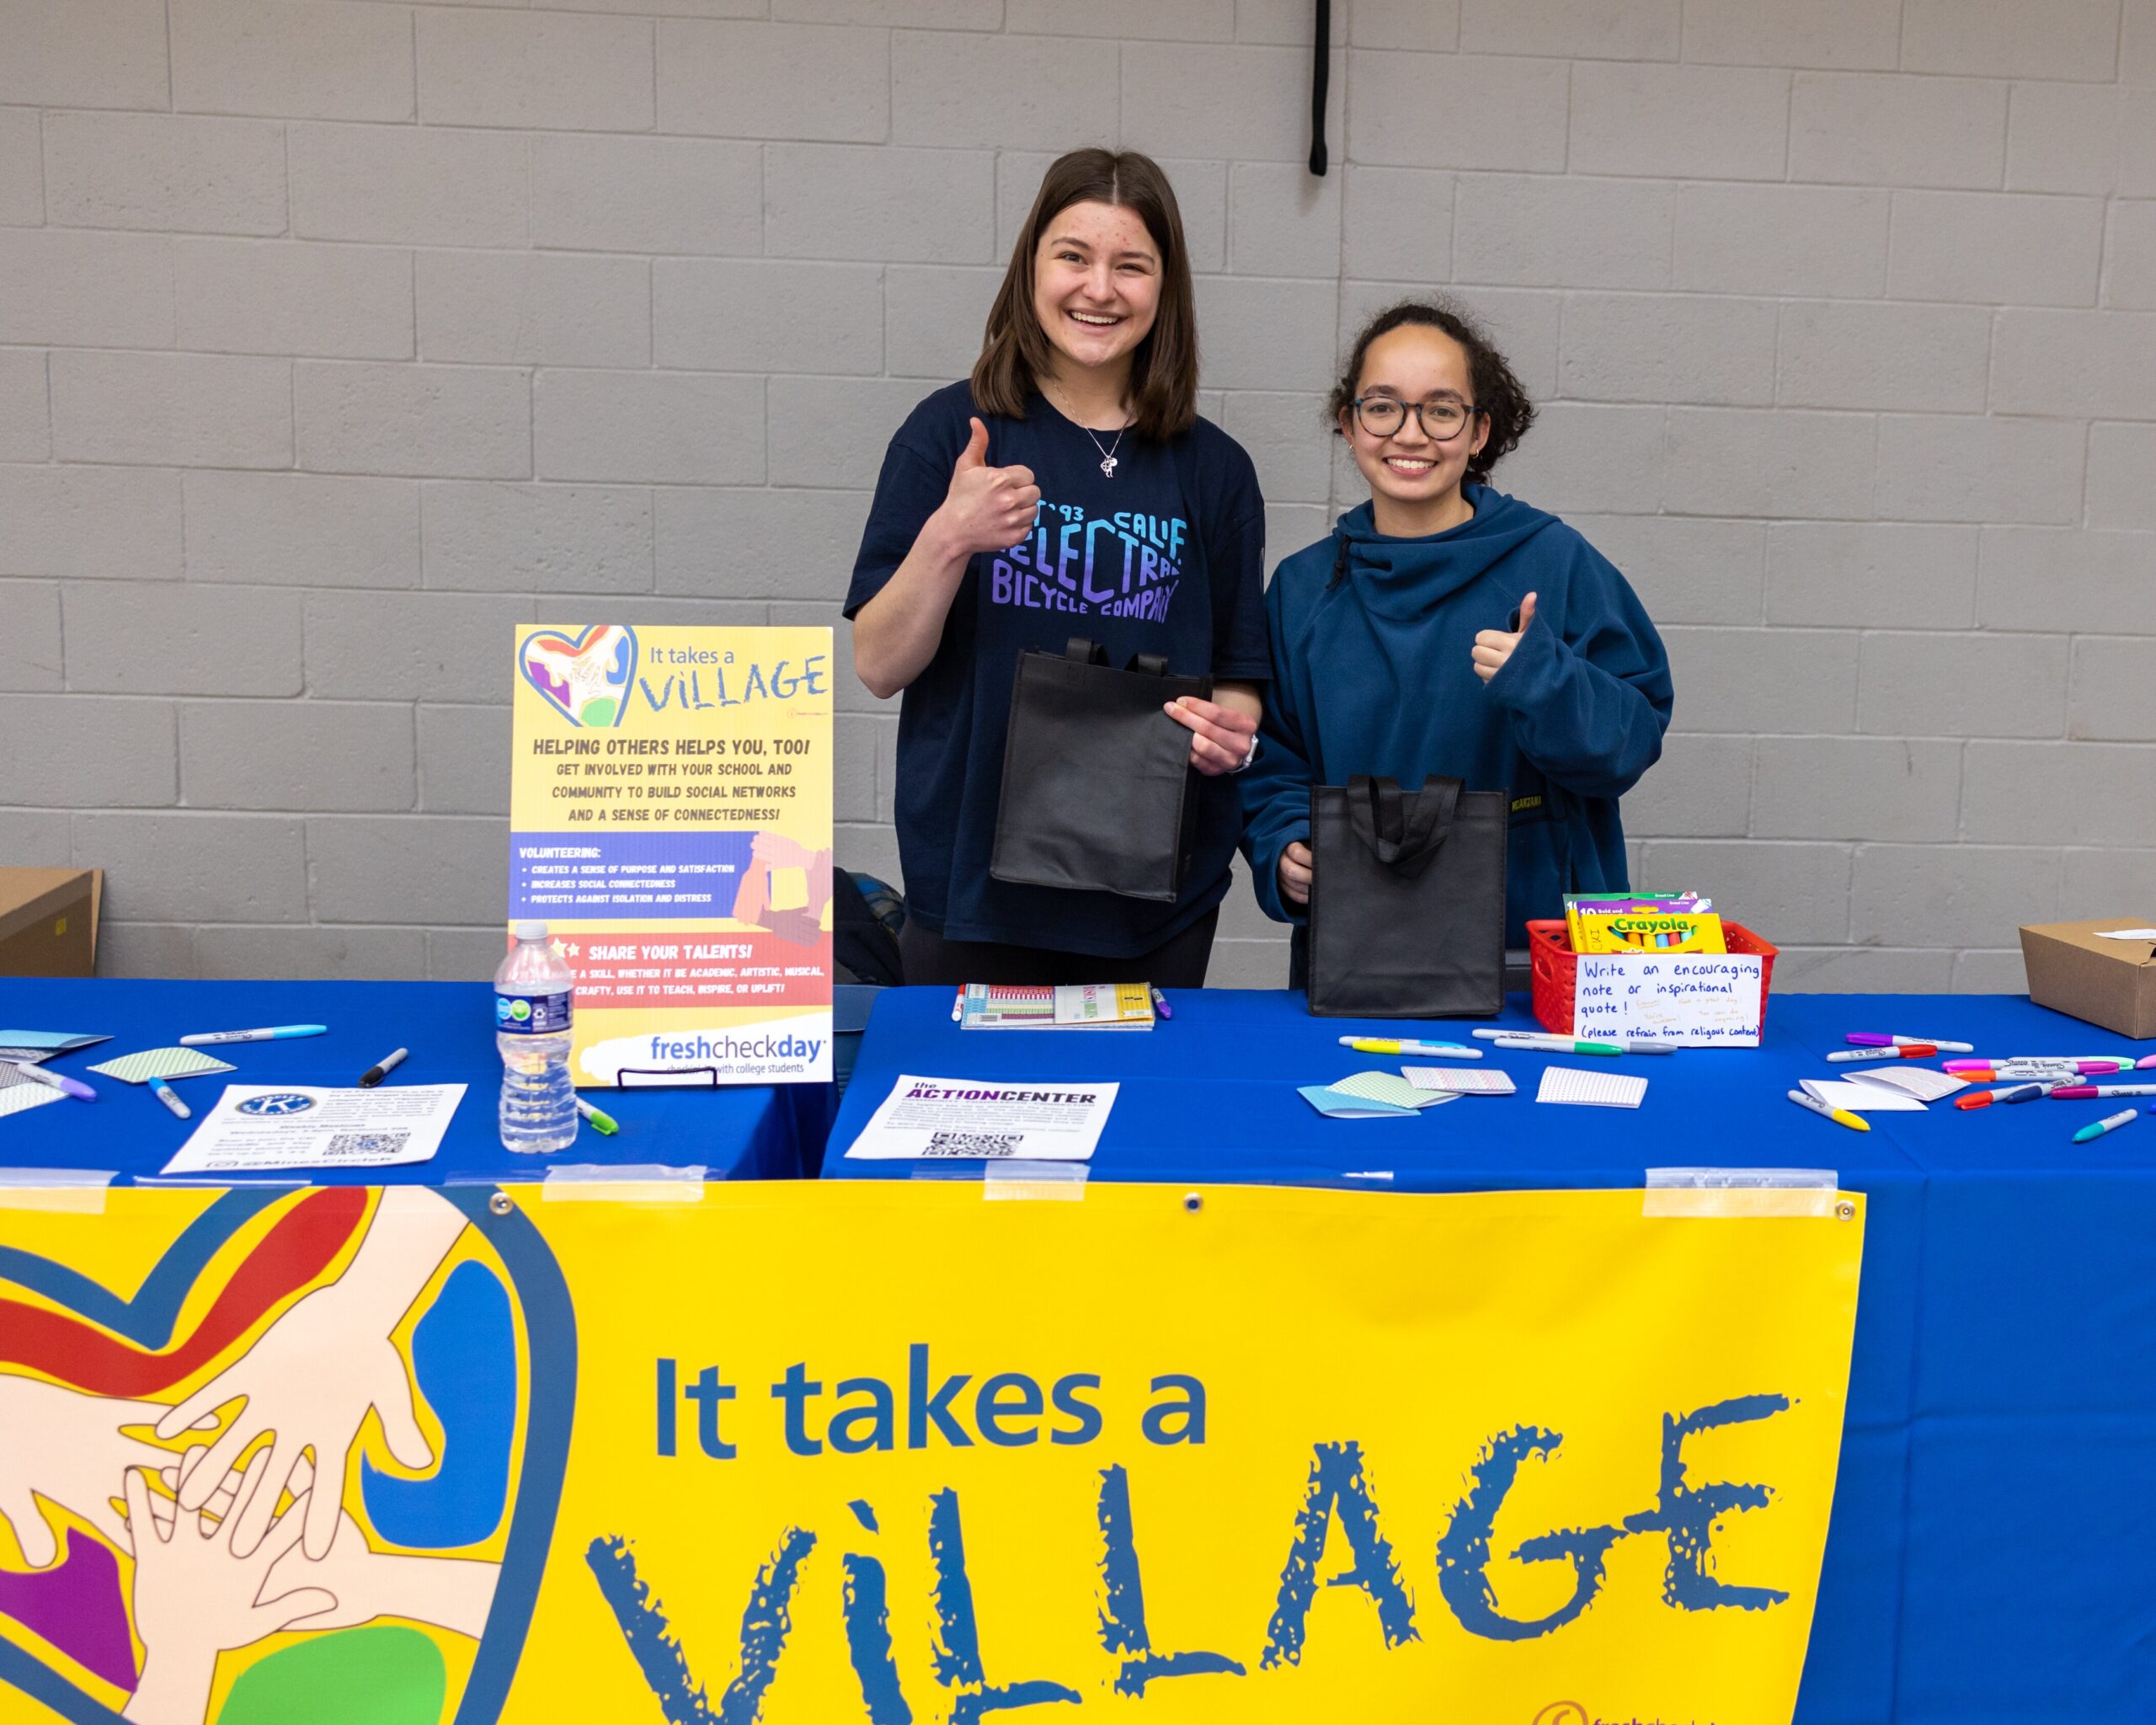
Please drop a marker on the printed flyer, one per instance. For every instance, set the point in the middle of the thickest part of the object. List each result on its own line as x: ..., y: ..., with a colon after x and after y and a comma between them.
x: 671, y: 821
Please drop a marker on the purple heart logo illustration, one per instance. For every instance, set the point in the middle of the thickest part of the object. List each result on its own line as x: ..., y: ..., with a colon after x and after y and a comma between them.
x: 586, y: 679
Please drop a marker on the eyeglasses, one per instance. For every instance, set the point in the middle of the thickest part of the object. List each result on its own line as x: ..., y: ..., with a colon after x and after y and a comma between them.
x: 1382, y: 415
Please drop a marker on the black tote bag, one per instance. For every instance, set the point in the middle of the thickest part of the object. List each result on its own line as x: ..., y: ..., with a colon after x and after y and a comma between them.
x: 1407, y: 900
x: 1096, y: 777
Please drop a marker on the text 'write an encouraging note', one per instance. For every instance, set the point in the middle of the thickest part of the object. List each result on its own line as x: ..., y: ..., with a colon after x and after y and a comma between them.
x: 1692, y: 1000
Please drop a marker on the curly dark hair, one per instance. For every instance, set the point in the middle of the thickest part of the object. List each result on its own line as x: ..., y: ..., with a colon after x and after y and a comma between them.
x: 1498, y: 395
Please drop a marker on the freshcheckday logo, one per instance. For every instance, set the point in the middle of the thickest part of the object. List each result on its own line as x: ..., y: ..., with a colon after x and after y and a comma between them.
x: 701, y: 1045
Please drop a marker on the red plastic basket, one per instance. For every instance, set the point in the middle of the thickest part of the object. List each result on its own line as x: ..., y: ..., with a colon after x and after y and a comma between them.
x: 1555, y: 968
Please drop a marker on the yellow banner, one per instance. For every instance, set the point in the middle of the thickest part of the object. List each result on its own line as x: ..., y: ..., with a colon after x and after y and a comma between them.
x: 671, y: 821
x: 893, y: 1452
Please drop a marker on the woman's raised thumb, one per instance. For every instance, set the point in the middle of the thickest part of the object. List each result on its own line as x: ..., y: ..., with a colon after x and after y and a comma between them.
x: 975, y: 453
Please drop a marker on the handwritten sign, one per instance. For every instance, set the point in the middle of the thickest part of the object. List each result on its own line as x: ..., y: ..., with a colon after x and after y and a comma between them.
x: 1694, y: 1000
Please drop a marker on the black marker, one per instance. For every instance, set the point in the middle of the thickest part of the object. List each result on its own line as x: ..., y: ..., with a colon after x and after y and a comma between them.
x: 390, y: 1062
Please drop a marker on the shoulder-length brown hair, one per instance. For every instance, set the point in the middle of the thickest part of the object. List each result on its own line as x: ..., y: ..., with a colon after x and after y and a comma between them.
x: 1015, y: 352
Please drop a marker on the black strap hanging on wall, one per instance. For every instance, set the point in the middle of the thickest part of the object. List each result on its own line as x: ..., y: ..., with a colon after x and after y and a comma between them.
x: 1321, y: 76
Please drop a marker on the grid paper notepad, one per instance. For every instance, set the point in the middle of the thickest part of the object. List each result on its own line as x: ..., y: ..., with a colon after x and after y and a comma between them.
x: 1390, y: 1087
x: 18, y: 1094
x: 1600, y: 1090
x: 161, y: 1063
x: 1461, y: 1080
x: 1338, y: 1105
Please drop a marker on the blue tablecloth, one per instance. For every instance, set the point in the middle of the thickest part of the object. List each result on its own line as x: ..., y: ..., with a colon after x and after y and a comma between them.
x: 1989, y: 1559
x: 739, y: 1132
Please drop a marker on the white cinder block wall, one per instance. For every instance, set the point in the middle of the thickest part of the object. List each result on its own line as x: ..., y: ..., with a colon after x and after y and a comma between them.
x: 335, y: 335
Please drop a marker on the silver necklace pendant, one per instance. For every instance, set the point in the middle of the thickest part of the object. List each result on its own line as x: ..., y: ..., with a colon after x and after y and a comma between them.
x: 1107, y: 465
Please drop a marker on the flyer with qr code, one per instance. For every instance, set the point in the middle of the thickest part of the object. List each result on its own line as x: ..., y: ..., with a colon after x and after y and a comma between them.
x: 267, y: 1128
x: 957, y: 1120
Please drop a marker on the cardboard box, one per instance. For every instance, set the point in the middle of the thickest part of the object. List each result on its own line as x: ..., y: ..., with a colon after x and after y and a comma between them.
x: 49, y: 920
x: 2107, y: 982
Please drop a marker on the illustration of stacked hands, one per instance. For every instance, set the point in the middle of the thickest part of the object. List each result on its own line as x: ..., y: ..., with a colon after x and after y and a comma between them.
x: 211, y: 1522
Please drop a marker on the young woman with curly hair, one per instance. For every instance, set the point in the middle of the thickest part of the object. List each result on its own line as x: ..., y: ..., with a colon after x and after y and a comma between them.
x: 1444, y: 627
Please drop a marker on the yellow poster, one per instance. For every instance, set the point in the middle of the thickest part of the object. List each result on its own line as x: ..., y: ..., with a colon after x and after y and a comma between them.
x: 887, y: 1452
x: 671, y: 817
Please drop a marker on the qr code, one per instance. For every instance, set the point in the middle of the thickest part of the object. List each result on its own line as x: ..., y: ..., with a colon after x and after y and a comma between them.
x: 367, y: 1143
x: 975, y: 1143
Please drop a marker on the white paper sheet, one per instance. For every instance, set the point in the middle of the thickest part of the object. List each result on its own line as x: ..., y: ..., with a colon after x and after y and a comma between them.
x: 260, y: 1128
x: 2126, y: 934
x: 1601, y: 1089
x: 940, y: 1119
x: 1919, y: 1081
x: 1702, y: 1000
x: 1861, y: 1098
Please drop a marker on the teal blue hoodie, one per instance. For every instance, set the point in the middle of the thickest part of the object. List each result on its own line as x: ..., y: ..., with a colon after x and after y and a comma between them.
x: 1372, y: 673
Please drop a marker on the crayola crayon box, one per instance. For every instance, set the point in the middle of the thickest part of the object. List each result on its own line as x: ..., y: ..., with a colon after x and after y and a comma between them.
x: 1644, y: 925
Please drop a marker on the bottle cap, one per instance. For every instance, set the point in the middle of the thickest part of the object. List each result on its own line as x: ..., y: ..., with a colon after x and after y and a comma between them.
x: 531, y: 931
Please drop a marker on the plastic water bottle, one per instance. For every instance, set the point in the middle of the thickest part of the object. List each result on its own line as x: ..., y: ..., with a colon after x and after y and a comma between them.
x: 533, y: 994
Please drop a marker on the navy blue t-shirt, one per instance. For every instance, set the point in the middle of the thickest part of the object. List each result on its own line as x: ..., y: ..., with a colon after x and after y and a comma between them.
x: 1165, y: 557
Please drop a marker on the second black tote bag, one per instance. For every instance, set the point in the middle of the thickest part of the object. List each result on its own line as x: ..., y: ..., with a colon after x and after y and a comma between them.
x: 1407, y: 900
x: 1096, y: 777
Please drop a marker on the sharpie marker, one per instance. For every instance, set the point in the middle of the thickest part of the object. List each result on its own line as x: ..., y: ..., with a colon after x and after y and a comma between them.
x: 56, y: 1081
x: 2093, y: 1092
x: 165, y: 1094
x: 381, y: 1069
x: 2097, y: 1128
x: 276, y: 1033
x: 2003, y: 1093
x: 1903, y: 1051
x: 604, y: 1123
x: 1840, y: 1117
x: 1556, y: 1044
x: 1867, y: 1039
x: 1391, y: 1045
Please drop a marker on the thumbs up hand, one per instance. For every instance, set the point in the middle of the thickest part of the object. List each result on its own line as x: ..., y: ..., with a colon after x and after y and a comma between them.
x: 1493, y: 648
x: 987, y: 509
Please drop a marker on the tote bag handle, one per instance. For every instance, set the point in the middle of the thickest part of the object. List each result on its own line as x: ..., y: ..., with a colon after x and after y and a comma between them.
x: 1402, y: 832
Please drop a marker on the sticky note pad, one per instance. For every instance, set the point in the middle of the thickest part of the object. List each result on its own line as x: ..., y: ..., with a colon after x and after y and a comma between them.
x: 17, y: 1095
x: 1338, y: 1105
x: 1461, y: 1080
x: 161, y: 1063
x: 1390, y: 1087
x: 1601, y: 1089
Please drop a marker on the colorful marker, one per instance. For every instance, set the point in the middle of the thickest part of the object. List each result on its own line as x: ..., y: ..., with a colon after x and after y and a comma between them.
x: 2004, y: 1093
x: 1390, y: 1045
x: 1161, y: 1003
x: 2147, y: 1063
x: 1903, y: 1051
x: 1840, y: 1117
x: 1984, y: 1071
x: 165, y: 1094
x: 1555, y: 1045
x: 2092, y: 1093
x: 276, y: 1032
x: 56, y: 1081
x: 1630, y: 1044
x: 1868, y: 1038
x: 604, y: 1123
x: 381, y: 1069
x: 2097, y: 1128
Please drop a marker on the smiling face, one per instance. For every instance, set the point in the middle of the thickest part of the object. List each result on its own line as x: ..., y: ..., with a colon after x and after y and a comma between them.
x: 1415, y: 478
x: 1096, y: 287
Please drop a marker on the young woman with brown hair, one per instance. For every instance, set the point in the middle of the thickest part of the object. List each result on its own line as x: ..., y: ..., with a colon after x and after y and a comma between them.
x: 1444, y: 627
x: 1068, y: 489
